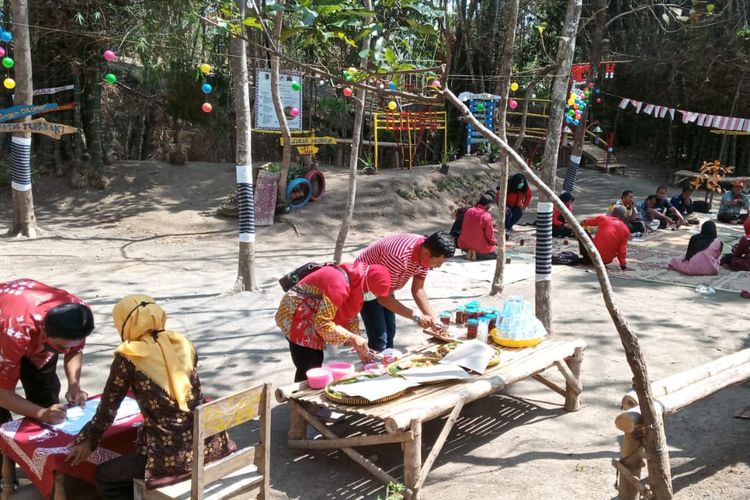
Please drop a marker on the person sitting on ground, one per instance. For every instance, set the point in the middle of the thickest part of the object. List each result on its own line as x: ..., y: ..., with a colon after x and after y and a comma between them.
x: 683, y: 203
x: 458, y: 221
x: 739, y: 259
x: 649, y: 214
x: 560, y: 227
x: 611, y: 239
x: 478, y: 232
x: 703, y: 253
x: 159, y: 368
x: 732, y: 203
x: 633, y: 218
x: 665, y: 212
x: 517, y: 200
x: 322, y: 309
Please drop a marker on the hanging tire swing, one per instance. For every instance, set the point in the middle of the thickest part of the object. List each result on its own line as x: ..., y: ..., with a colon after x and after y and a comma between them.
x: 298, y: 193
x: 318, y: 183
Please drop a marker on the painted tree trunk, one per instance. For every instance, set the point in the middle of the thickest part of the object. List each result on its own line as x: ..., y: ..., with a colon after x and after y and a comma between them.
x: 655, y: 440
x: 243, y: 158
x: 563, y: 61
x: 359, y: 116
x: 286, y: 153
x: 23, y: 220
x: 506, y: 64
x: 600, y: 7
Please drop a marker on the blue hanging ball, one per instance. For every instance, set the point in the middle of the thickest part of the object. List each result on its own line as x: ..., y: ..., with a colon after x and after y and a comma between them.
x: 576, y: 122
x: 392, y: 85
x: 6, y: 36
x: 597, y: 91
x: 568, y: 119
x: 206, y: 88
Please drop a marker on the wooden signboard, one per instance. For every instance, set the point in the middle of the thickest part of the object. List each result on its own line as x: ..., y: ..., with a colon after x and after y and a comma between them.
x: 309, y: 141
x: 39, y: 126
x: 22, y: 110
x: 60, y: 107
x: 307, y: 150
x: 265, y: 197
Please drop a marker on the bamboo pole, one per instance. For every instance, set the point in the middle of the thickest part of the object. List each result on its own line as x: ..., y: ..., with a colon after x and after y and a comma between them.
x: 439, y: 443
x: 350, y: 442
x: 544, y: 381
x: 296, y: 422
x: 685, y: 378
x: 574, y: 390
x: 659, y: 472
x: 413, y: 460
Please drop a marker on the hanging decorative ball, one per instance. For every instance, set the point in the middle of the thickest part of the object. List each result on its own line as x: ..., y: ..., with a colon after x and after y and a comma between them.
x: 206, y: 88
x: 206, y: 107
x: 513, y: 86
x: 294, y: 112
x: 598, y: 100
x: 296, y: 86
x: 110, y: 78
x: 436, y: 83
x: 109, y: 55
x: 205, y: 68
x: 381, y: 86
x: 2, y: 52
x: 8, y: 62
x: 597, y: 91
x: 392, y: 85
x: 6, y: 36
x: 9, y: 83
x: 576, y: 122
x: 347, y: 91
x: 352, y: 70
x: 480, y: 106
x: 392, y: 105
x: 568, y: 119
x: 513, y: 104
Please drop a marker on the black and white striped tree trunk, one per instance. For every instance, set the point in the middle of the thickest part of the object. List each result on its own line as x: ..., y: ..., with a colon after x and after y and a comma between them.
x: 23, y: 221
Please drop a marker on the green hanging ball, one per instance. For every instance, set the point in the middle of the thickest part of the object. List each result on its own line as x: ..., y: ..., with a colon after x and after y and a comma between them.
x: 296, y: 86
x: 110, y: 78
x: 8, y: 62
x: 480, y: 107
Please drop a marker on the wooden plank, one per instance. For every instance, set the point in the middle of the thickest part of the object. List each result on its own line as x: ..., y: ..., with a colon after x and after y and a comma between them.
x: 362, y: 440
x: 39, y: 126
x: 231, y: 411
x: 438, y: 446
x: 196, y: 479
x: 231, y: 463
x: 22, y: 110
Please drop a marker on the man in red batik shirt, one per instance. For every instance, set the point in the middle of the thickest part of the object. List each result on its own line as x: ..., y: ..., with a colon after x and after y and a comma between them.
x: 37, y: 323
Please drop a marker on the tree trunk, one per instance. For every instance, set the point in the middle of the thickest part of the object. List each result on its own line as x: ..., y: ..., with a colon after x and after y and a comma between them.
x: 655, y: 440
x: 564, y: 58
x: 24, y: 220
x: 286, y: 153
x: 243, y: 157
x: 600, y: 7
x: 93, y: 119
x: 359, y: 116
x: 506, y: 65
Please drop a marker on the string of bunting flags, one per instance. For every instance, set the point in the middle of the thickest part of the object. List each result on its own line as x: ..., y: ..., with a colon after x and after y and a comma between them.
x: 700, y: 119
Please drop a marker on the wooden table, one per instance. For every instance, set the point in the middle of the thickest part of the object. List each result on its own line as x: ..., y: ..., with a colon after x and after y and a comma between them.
x: 40, y: 451
x: 404, y: 416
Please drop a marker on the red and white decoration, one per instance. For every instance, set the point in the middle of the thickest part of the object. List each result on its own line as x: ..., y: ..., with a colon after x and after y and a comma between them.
x: 700, y: 119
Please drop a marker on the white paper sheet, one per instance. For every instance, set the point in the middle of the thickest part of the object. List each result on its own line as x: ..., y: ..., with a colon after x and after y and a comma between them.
x: 473, y: 355
x: 376, y: 388
x: 77, y: 417
x: 436, y: 373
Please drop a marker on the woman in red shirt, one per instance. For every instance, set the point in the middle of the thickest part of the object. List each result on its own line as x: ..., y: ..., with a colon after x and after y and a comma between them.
x: 560, y: 227
x: 478, y: 231
x: 517, y: 200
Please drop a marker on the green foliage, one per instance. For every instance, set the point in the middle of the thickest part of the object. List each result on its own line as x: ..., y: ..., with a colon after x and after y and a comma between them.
x: 394, y: 491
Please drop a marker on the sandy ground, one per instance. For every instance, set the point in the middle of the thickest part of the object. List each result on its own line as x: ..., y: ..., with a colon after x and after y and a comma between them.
x: 154, y: 231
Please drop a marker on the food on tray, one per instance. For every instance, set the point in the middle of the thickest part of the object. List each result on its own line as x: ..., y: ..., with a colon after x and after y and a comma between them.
x: 357, y: 377
x: 417, y: 361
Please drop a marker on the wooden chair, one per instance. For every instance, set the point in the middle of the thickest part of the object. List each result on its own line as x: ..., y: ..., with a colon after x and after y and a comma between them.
x: 235, y: 475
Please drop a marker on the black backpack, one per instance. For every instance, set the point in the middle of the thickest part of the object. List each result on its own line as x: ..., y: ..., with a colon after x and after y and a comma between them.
x: 290, y: 279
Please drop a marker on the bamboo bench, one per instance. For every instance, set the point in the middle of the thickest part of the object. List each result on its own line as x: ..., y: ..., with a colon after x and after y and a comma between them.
x: 402, y: 418
x: 671, y: 394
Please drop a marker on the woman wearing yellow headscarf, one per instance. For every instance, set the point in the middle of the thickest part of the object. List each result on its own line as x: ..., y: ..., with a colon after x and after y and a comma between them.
x: 159, y: 367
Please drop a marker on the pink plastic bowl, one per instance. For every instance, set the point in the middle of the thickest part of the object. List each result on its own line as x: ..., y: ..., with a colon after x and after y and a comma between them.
x: 340, y: 369
x: 318, y: 378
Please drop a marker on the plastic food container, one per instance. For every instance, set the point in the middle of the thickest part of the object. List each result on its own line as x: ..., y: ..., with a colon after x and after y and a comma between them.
x: 340, y: 369
x: 318, y: 378
x: 472, y: 328
x: 390, y: 356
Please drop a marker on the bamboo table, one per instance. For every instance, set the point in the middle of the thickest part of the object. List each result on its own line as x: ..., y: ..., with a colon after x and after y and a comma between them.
x: 404, y: 416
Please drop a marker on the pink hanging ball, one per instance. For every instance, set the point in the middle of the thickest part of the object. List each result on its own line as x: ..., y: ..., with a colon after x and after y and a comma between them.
x: 513, y: 104
x: 2, y: 52
x: 436, y: 83
x: 294, y: 112
x: 109, y: 55
x: 207, y: 108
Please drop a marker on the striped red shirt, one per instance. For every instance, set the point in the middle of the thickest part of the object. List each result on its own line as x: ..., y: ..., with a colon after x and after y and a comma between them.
x: 399, y: 253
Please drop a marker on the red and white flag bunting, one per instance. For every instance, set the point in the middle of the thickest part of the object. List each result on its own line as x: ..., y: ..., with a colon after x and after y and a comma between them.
x: 700, y: 119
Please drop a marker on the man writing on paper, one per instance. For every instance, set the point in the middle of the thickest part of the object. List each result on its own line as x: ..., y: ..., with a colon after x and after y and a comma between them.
x: 37, y: 324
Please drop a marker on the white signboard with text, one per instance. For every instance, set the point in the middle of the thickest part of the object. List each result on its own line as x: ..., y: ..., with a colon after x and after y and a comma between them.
x: 291, y: 99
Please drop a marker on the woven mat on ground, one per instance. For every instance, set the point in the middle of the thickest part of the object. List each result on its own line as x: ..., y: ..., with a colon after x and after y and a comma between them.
x: 648, y: 257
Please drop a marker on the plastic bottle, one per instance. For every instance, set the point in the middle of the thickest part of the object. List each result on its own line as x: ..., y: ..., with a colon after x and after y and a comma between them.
x: 483, y: 329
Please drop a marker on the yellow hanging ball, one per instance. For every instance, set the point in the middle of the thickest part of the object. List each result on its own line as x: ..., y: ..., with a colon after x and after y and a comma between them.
x: 205, y: 68
x: 9, y: 83
x: 392, y: 105
x: 514, y: 86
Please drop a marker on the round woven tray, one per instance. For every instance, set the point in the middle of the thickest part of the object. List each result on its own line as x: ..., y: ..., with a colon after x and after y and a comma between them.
x: 356, y: 400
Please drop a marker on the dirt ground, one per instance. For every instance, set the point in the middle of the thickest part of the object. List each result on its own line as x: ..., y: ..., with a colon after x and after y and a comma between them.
x: 155, y: 231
